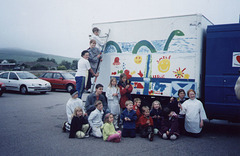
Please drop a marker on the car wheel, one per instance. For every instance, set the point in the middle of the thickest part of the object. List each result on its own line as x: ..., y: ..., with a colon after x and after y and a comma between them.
x: 69, y: 87
x: 23, y: 90
x: 1, y: 93
x: 43, y: 92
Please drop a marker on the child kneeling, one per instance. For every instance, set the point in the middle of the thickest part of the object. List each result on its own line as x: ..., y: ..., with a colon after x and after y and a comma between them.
x: 129, y: 117
x: 79, y: 124
x: 169, y: 127
x: 146, y: 124
x: 109, y: 132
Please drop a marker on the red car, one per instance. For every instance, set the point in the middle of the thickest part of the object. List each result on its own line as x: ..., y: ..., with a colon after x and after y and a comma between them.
x: 2, y: 88
x: 60, y: 80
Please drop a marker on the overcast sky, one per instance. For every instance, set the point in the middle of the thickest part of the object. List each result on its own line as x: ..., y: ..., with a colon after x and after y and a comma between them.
x: 61, y: 27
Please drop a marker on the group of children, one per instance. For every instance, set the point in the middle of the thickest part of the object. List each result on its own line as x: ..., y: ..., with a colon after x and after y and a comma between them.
x: 104, y: 118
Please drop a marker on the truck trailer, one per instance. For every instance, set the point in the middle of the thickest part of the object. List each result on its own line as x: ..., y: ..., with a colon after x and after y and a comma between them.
x: 162, y: 55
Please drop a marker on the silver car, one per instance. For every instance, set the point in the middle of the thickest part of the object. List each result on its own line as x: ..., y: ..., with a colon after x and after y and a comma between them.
x: 24, y: 82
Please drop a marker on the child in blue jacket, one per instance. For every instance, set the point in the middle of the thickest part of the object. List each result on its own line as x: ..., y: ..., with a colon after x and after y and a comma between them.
x: 129, y: 117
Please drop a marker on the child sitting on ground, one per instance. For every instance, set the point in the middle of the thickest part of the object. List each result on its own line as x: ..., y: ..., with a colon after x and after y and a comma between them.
x: 79, y: 124
x: 72, y: 103
x: 109, y: 132
x: 95, y: 119
x: 156, y: 113
x: 129, y: 117
x: 169, y: 127
x: 146, y: 124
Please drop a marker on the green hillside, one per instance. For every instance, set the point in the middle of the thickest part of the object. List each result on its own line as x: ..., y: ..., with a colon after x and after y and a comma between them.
x: 21, y: 55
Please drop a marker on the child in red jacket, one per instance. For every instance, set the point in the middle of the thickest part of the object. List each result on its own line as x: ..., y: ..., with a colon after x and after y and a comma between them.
x: 136, y: 107
x: 146, y: 124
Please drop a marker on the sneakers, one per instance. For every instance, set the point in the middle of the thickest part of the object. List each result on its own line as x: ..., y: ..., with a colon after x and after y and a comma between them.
x: 150, y: 136
x: 173, y: 137
x: 164, y: 136
x: 63, y: 127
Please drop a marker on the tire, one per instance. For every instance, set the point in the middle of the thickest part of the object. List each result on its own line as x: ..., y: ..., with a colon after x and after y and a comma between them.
x: 23, y: 90
x: 69, y: 87
x: 43, y: 92
x: 1, y: 93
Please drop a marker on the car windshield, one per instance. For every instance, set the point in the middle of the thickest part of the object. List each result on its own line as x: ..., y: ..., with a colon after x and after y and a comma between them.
x: 26, y: 75
x: 68, y: 76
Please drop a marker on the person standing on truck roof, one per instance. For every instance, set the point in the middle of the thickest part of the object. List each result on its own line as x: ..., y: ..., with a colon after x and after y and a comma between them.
x: 99, y: 40
x: 83, y: 68
x: 94, y: 58
x: 195, y: 114
x: 174, y: 106
x: 125, y: 90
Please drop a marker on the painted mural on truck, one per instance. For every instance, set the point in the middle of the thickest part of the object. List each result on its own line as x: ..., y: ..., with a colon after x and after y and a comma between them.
x: 156, y: 67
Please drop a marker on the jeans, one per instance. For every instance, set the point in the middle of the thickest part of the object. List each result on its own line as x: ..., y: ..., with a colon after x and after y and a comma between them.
x: 80, y: 85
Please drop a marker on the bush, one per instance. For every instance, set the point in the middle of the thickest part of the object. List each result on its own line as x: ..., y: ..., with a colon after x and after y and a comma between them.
x: 39, y: 67
x: 62, y: 67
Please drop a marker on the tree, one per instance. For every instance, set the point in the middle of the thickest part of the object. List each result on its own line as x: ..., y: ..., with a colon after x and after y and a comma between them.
x: 74, y: 64
x: 41, y: 59
x: 66, y: 64
x: 62, y: 67
x: 11, y: 61
x: 39, y: 67
x: 53, y: 60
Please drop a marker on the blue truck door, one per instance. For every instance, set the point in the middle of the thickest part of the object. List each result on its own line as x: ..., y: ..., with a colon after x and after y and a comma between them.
x: 222, y: 71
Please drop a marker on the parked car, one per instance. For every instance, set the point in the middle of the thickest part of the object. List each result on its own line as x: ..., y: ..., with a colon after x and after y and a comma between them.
x: 2, y: 88
x: 24, y: 82
x: 60, y: 80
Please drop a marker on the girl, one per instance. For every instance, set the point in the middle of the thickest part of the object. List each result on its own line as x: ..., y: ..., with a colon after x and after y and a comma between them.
x: 156, y: 113
x: 108, y: 130
x: 195, y: 114
x: 79, y: 124
x: 113, y: 96
x: 125, y: 90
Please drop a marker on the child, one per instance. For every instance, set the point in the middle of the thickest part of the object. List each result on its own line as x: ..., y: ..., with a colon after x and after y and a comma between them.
x: 113, y: 96
x: 83, y: 67
x: 93, y: 97
x: 156, y: 114
x: 94, y: 58
x: 79, y: 124
x: 95, y: 119
x: 174, y: 106
x: 146, y: 124
x: 100, y: 40
x: 136, y: 107
x: 109, y: 132
x: 72, y: 103
x: 129, y: 117
x: 169, y: 127
x: 125, y: 90
x: 195, y: 114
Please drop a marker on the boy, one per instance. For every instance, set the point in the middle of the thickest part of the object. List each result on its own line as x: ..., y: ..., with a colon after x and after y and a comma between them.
x: 83, y: 67
x: 169, y: 128
x: 95, y: 119
x: 146, y: 124
x: 99, y: 40
x: 94, y: 58
x: 129, y: 117
x: 93, y: 97
x: 136, y: 107
x: 72, y: 103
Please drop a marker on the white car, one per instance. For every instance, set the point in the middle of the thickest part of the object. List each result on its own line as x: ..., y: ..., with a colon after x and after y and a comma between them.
x: 24, y: 82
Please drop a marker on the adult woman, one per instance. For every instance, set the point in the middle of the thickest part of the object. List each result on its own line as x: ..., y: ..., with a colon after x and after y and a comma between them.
x: 194, y: 114
x: 83, y: 67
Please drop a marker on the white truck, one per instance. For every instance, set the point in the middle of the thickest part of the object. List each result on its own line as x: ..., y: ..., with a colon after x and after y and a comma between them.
x: 162, y: 55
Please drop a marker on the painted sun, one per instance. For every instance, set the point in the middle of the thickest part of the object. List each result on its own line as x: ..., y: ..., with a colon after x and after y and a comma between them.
x: 179, y: 73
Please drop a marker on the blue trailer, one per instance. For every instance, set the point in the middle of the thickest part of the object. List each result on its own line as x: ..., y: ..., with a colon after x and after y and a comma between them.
x: 222, y: 71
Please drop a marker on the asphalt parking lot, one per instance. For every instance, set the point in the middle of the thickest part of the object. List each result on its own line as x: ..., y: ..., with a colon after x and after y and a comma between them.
x: 31, y: 125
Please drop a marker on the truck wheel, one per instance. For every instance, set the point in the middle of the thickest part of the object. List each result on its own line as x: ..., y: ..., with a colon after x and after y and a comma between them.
x: 69, y: 87
x: 23, y: 90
